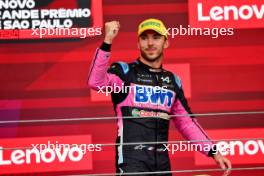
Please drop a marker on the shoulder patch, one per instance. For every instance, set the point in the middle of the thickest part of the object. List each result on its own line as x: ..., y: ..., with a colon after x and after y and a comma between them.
x: 177, y: 80
x: 120, y: 69
x: 124, y: 67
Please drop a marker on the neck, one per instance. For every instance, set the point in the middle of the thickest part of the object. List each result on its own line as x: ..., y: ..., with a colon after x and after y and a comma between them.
x: 155, y: 64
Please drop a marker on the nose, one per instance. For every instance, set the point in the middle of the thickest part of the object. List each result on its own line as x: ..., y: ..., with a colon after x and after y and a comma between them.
x: 150, y: 41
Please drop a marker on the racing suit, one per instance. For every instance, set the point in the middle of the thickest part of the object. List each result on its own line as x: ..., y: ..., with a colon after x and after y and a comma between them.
x: 155, y: 95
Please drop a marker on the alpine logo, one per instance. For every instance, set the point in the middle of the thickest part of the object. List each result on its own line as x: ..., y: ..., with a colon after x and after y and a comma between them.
x: 166, y: 79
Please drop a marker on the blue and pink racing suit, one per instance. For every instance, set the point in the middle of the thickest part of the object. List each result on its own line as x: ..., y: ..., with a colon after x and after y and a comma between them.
x: 151, y: 96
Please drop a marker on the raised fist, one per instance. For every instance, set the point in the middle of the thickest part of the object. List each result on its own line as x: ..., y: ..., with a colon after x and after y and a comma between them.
x: 111, y: 31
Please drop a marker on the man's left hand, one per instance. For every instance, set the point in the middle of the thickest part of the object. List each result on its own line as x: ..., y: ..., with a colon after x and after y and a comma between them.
x: 223, y: 162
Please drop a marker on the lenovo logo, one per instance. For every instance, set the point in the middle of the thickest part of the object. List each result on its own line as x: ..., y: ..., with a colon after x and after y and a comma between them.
x: 247, y: 146
x: 232, y: 148
x: 224, y: 13
x: 218, y: 13
x: 29, y: 156
x: 46, y: 154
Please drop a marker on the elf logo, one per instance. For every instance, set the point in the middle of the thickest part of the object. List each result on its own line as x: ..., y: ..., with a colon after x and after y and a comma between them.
x: 154, y: 95
x: 226, y: 13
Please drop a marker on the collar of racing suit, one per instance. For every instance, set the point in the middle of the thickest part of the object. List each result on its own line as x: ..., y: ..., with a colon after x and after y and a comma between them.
x: 147, y: 67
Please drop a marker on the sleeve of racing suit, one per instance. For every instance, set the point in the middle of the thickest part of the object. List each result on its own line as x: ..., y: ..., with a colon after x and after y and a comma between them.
x: 100, y: 76
x: 188, y: 126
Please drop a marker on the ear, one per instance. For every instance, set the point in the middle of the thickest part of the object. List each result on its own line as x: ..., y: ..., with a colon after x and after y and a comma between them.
x: 138, y: 45
x: 166, y: 44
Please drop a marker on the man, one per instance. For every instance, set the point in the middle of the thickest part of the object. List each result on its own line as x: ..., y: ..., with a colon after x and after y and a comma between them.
x: 156, y: 96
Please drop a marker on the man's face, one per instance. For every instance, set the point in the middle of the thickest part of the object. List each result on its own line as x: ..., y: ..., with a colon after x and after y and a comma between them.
x: 151, y: 45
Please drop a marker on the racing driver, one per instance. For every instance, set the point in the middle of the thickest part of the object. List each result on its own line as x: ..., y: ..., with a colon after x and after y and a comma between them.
x: 155, y: 98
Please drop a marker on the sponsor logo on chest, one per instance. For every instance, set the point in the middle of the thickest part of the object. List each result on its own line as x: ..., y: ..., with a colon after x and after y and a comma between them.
x: 154, y: 95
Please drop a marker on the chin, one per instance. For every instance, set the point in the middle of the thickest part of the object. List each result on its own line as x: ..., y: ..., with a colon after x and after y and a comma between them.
x: 152, y: 56
x: 152, y: 59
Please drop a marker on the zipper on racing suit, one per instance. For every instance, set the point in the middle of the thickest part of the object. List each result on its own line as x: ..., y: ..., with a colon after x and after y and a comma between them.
x: 157, y: 83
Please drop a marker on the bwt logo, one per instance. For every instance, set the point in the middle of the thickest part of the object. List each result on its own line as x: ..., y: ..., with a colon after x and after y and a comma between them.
x: 154, y: 95
x: 226, y: 13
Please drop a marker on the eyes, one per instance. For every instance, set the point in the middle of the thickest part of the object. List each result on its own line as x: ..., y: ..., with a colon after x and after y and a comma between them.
x: 155, y: 37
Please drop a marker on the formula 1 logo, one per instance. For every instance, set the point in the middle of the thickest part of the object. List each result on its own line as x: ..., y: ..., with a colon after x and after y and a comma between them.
x: 226, y: 13
x: 153, y: 95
